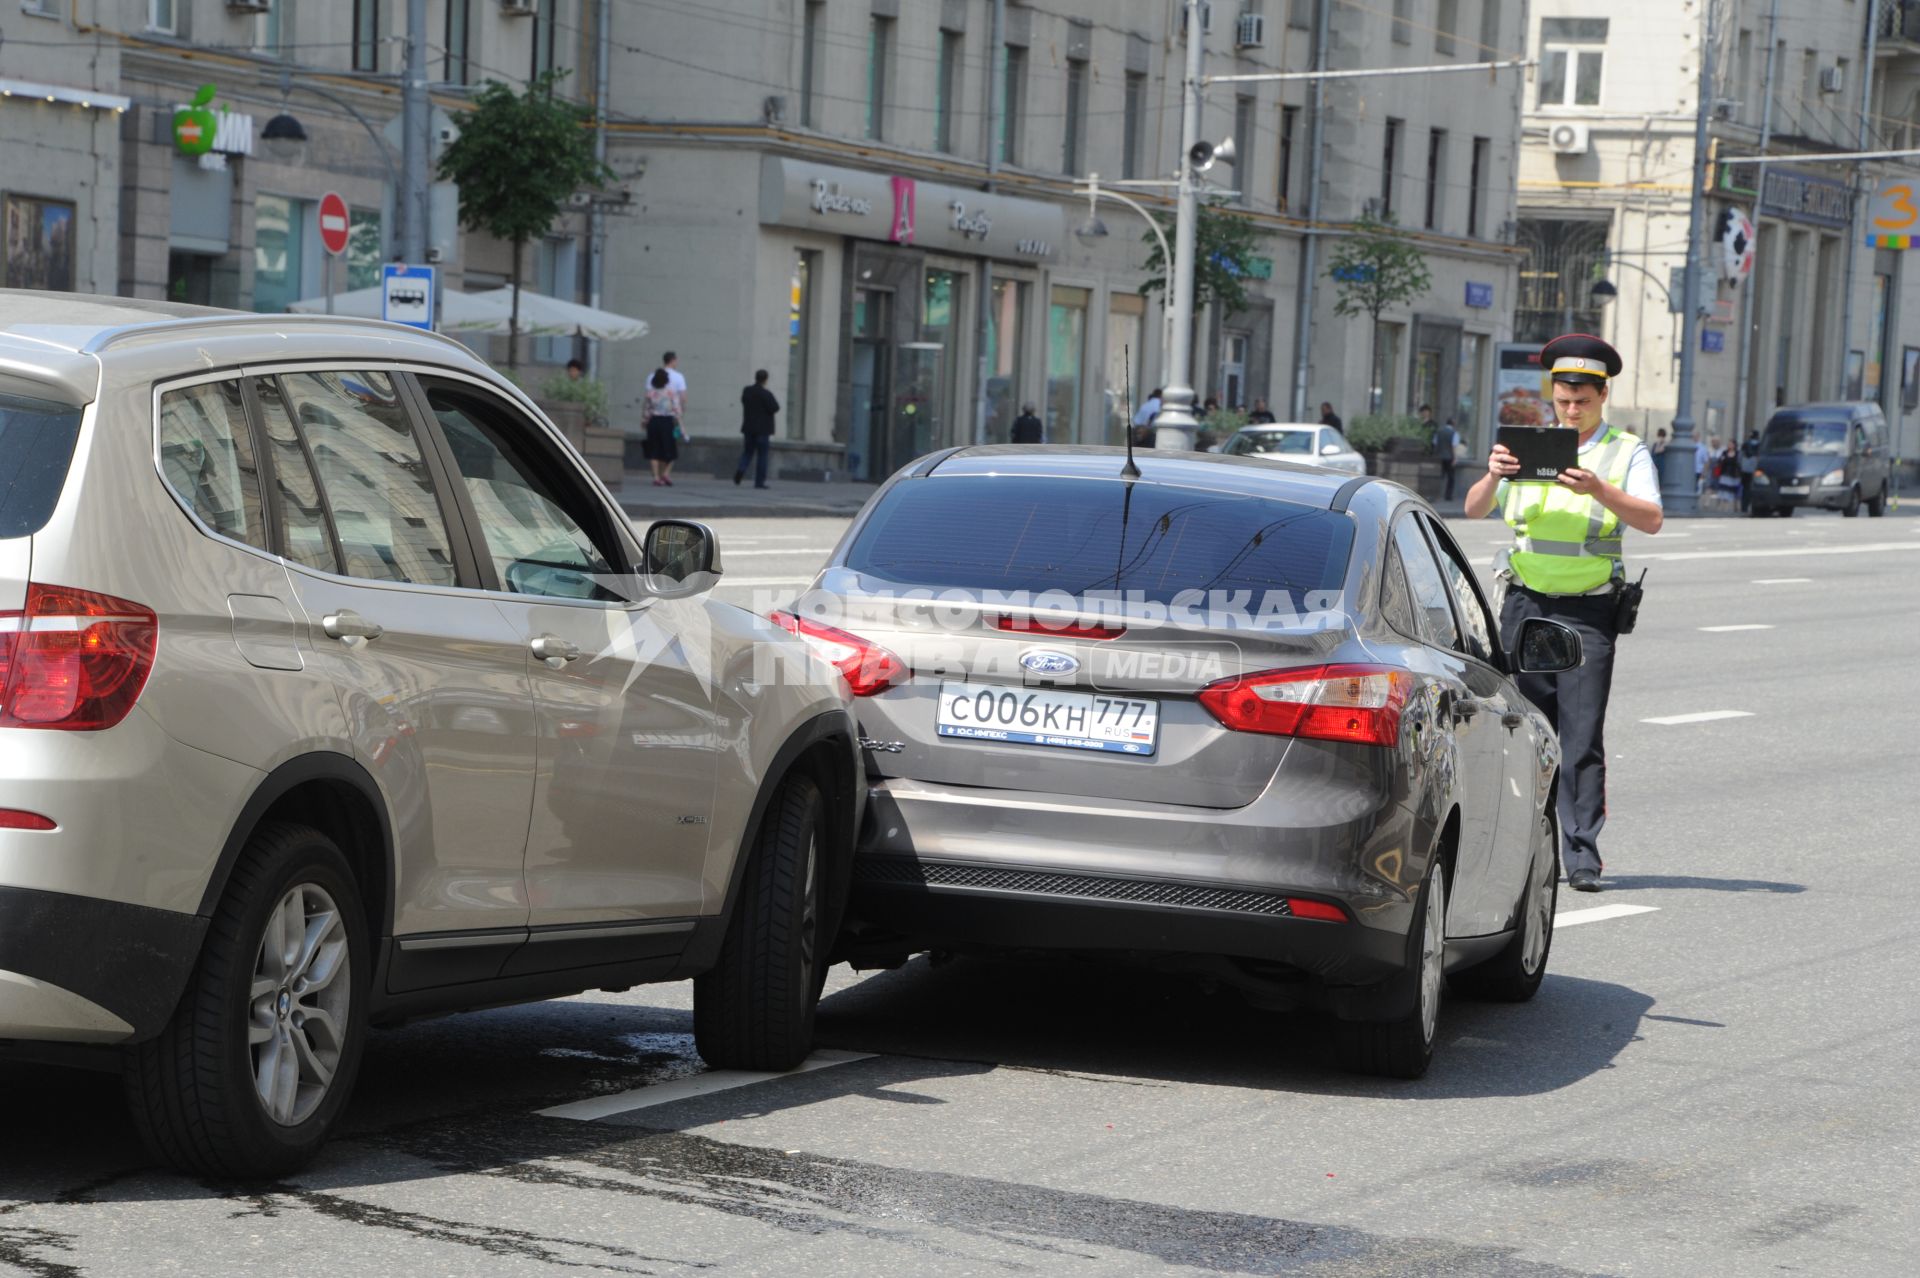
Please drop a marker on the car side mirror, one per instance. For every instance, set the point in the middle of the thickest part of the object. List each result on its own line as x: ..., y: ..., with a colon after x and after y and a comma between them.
x: 1329, y: 449
x: 1546, y: 647
x: 682, y: 558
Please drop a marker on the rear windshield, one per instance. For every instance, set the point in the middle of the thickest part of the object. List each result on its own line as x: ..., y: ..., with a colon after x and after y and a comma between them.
x: 36, y: 444
x: 1804, y: 435
x: 1088, y: 537
x: 1297, y: 442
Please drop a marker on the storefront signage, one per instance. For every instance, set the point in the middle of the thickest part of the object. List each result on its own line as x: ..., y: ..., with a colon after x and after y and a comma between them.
x: 199, y: 129
x: 1479, y: 296
x: 842, y: 202
x: 1713, y: 341
x: 1521, y: 390
x: 1893, y: 219
x: 1803, y: 197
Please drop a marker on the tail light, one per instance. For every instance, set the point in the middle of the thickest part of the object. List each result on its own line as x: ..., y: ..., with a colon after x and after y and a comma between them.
x: 73, y: 660
x: 1058, y: 629
x: 869, y: 668
x: 1329, y: 703
x: 15, y: 819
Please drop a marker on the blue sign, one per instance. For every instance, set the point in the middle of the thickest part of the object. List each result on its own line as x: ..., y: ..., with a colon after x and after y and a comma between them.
x: 1479, y: 295
x: 1359, y: 273
x: 1713, y: 340
x: 406, y: 294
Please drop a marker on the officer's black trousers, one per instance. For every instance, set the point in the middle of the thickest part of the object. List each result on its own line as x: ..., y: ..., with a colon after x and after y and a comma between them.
x: 1576, y: 704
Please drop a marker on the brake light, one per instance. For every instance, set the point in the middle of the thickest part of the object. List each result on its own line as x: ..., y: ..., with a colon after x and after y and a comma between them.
x: 1058, y: 629
x: 74, y: 659
x: 1306, y: 908
x: 868, y: 667
x: 1328, y: 703
x: 15, y: 819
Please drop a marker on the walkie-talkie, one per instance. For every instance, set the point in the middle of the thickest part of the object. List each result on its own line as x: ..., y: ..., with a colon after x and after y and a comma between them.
x: 1626, y: 604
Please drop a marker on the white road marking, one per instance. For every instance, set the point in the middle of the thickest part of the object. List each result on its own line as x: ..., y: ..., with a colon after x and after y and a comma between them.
x: 1782, y: 581
x: 754, y: 541
x: 726, y: 581
x: 1573, y: 918
x: 1703, y: 716
x: 1723, y: 630
x: 718, y: 1080
x: 806, y: 550
x: 1865, y: 548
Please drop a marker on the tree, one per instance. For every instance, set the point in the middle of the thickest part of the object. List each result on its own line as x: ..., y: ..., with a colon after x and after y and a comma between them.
x: 1223, y: 258
x: 518, y: 158
x: 1375, y: 268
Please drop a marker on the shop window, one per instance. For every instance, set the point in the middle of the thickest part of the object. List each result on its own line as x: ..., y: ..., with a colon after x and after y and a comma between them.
x: 279, y: 251
x: 1066, y: 363
x: 799, y: 342
x: 1126, y: 320
x: 1004, y: 365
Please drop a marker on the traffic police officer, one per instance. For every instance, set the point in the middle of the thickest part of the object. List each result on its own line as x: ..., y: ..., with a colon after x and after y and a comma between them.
x: 1565, y: 563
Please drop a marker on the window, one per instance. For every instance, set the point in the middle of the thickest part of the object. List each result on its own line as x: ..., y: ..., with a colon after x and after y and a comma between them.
x: 1243, y: 117
x: 879, y: 36
x: 206, y: 454
x: 1743, y: 71
x: 1477, y: 626
x: 1403, y: 21
x: 1126, y: 320
x: 1389, y: 159
x: 1481, y: 151
x: 279, y: 244
x: 1809, y: 78
x: 944, y: 100
x: 1013, y: 99
x: 1074, y: 141
x: 366, y: 35
x: 1289, y: 122
x: 1490, y: 31
x: 1396, y: 603
x: 36, y: 448
x: 809, y: 62
x: 557, y: 274
x: 1133, y: 118
x: 1447, y: 27
x: 799, y: 341
x: 1436, y: 171
x: 273, y: 30
x: 1066, y: 362
x: 364, y: 254
x: 1006, y: 365
x: 1570, y: 57
x: 374, y: 475
x: 529, y: 511
x: 545, y: 18
x: 160, y: 16
x: 1386, y: 365
x: 1433, y: 615
x: 304, y: 534
x: 1300, y: 14
x: 459, y: 20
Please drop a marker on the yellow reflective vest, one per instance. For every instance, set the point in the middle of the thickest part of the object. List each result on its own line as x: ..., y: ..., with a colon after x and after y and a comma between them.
x: 1565, y: 543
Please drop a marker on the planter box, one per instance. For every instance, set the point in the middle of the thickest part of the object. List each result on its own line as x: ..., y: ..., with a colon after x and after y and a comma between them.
x: 603, y: 448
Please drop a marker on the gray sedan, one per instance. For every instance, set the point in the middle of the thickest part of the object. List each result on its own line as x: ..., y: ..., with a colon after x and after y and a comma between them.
x: 1251, y: 719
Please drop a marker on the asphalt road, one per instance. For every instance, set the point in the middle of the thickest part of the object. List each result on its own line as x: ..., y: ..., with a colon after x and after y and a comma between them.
x: 1717, y: 1084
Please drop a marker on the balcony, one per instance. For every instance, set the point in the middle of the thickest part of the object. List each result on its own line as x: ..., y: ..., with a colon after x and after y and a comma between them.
x: 1899, y: 29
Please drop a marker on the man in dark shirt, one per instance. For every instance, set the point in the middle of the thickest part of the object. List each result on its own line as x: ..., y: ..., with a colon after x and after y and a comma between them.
x: 1261, y: 414
x: 1328, y: 417
x: 757, y: 407
x: 1027, y: 428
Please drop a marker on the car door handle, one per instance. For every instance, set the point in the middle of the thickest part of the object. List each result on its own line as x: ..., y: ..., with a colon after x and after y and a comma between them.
x: 348, y: 624
x: 1465, y: 708
x: 1512, y: 719
x: 553, y: 649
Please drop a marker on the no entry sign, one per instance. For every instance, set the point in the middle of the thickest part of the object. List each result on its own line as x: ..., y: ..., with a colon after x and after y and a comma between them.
x: 334, y: 223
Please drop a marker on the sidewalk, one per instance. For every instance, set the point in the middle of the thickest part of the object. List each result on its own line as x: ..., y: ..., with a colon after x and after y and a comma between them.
x: 697, y: 496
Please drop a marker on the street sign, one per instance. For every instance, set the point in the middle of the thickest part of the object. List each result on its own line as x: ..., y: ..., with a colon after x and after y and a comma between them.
x: 334, y: 223
x: 406, y: 294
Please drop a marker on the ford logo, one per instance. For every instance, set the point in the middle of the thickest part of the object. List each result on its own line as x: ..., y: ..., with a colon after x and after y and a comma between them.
x: 1046, y: 661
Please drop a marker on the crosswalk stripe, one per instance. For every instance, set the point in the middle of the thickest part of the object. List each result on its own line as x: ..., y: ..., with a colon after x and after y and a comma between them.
x: 1573, y: 918
x: 718, y: 1080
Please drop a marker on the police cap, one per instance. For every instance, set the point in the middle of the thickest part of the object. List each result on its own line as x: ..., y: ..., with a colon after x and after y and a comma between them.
x: 1580, y: 359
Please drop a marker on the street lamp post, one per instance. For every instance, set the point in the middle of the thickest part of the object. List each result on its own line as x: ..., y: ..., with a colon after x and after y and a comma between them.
x: 1094, y: 229
x: 1176, y: 425
x: 1677, y: 495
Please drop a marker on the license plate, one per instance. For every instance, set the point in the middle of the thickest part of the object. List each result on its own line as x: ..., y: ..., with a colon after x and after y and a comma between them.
x: 1045, y: 717
x: 1795, y: 490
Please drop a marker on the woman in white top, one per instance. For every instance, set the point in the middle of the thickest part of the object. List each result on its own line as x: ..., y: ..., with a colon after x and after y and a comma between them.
x: 663, y: 426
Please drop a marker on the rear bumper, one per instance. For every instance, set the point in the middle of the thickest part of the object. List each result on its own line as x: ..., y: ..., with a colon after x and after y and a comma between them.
x: 79, y: 970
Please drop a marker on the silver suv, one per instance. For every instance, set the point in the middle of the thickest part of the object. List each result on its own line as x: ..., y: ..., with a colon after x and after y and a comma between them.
x: 335, y: 691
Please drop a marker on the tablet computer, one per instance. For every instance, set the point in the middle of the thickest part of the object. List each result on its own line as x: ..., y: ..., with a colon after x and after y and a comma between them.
x: 1544, y: 451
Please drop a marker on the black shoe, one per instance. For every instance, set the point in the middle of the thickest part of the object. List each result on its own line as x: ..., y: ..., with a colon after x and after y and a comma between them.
x: 738, y: 475
x: 1584, y: 880
x: 759, y: 485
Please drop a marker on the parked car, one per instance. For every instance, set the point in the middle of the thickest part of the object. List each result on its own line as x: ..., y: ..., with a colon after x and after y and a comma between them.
x: 334, y: 692
x: 1310, y: 443
x: 1246, y: 718
x: 1833, y: 456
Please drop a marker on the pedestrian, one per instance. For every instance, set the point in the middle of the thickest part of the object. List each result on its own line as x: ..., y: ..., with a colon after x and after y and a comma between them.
x: 575, y: 370
x: 1659, y: 444
x: 1261, y: 414
x: 1702, y: 456
x: 1566, y: 564
x: 1149, y: 409
x: 1328, y: 417
x: 1028, y: 428
x: 1726, y: 474
x: 671, y: 362
x: 662, y: 447
x: 757, y: 409
x: 1209, y: 408
x: 1749, y: 462
x: 1446, y: 441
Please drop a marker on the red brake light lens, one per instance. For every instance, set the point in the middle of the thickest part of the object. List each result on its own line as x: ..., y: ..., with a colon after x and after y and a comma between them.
x: 1329, y: 703
x: 868, y: 667
x: 1058, y: 629
x: 15, y: 819
x: 1307, y: 908
x: 74, y: 660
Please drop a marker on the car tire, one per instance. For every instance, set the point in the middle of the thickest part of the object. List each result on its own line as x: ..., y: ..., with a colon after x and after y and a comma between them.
x: 1514, y: 974
x: 1877, y: 506
x: 1761, y: 512
x: 1852, y: 508
x: 1786, y: 512
x: 1403, y: 1047
x: 754, y: 1009
x: 239, y: 1084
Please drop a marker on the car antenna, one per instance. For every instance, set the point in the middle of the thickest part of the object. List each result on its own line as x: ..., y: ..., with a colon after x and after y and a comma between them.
x: 1130, y: 470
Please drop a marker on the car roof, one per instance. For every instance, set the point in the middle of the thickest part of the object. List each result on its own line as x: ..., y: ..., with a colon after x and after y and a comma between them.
x: 1254, y: 428
x: 1828, y: 408
x: 1219, y: 472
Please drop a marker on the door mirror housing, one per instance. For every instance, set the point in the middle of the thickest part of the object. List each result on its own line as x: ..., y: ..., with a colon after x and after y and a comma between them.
x: 682, y: 558
x: 1327, y: 450
x: 1546, y: 646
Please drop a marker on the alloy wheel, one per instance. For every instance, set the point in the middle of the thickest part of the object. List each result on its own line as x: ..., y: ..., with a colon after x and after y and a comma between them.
x: 1539, y: 908
x: 298, y: 1004
x: 1433, y: 949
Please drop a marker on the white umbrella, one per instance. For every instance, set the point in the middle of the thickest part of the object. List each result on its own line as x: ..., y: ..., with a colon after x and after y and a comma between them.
x: 541, y: 316
x: 366, y: 303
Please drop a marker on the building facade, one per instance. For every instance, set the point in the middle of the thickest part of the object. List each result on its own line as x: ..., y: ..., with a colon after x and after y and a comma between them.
x: 1813, y: 312
x: 876, y: 200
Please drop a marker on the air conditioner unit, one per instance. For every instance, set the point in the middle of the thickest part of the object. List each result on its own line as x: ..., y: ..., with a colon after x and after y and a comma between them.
x: 1251, y: 33
x: 774, y: 109
x: 249, y: 6
x: 1568, y: 138
x: 517, y: 8
x: 1833, y: 79
x: 1725, y: 109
